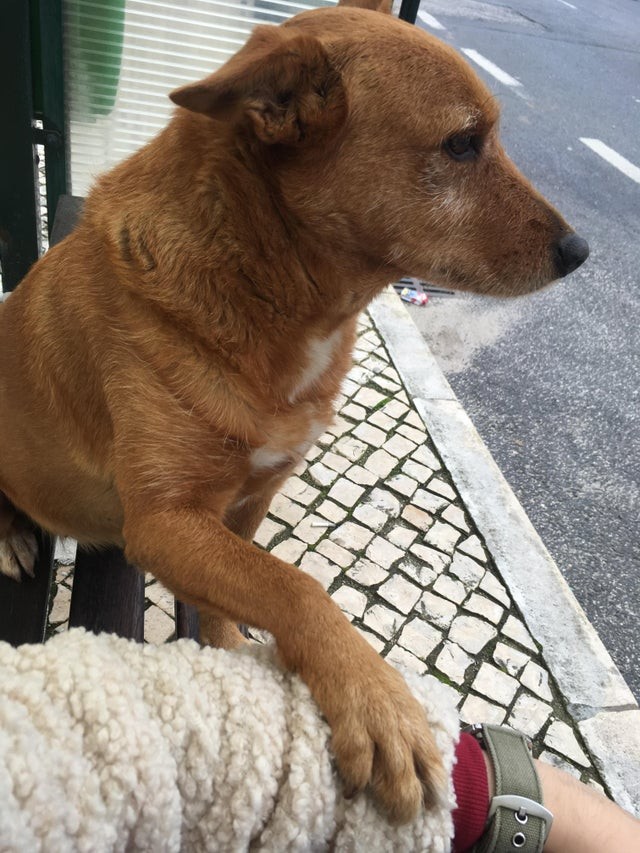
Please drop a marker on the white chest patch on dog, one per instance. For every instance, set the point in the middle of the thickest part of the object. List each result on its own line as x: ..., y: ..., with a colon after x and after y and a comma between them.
x: 320, y: 354
x: 270, y: 456
x: 267, y: 457
x: 315, y: 431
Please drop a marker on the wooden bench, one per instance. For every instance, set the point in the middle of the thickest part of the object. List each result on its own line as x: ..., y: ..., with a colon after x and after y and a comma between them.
x: 107, y: 593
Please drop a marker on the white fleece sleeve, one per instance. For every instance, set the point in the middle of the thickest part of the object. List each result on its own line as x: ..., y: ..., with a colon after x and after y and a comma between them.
x: 107, y: 745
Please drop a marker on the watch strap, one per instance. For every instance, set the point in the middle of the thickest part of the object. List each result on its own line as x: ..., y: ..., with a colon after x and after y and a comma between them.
x: 517, y: 820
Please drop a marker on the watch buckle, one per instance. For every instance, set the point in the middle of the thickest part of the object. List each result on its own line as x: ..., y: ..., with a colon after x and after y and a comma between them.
x: 523, y: 808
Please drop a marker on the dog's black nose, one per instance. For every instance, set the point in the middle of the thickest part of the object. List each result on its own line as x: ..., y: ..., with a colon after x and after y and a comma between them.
x: 571, y: 251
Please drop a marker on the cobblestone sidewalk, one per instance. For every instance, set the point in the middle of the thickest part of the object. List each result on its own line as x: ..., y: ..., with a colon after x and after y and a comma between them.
x: 373, y: 515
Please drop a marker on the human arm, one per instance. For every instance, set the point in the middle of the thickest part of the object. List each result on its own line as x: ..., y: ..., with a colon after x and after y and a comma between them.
x: 585, y: 821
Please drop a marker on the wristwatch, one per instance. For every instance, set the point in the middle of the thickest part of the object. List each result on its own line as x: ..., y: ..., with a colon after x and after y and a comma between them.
x: 517, y: 819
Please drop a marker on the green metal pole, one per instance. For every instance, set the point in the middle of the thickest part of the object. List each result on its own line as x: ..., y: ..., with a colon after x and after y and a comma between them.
x: 24, y: 605
x: 48, y: 95
x: 19, y: 234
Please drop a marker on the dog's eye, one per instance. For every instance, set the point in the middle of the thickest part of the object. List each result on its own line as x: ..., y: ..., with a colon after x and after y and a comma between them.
x: 462, y: 146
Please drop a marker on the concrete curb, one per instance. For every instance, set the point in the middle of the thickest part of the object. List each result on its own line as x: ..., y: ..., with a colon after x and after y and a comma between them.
x: 598, y: 698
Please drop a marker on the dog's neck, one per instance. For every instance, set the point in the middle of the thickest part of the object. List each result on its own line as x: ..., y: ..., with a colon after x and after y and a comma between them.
x: 235, y: 262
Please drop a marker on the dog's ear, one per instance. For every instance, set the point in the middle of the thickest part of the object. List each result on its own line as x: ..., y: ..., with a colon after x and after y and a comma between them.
x: 283, y: 84
x: 384, y: 6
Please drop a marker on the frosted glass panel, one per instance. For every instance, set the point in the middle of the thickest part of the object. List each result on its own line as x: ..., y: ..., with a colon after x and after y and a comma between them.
x: 123, y: 57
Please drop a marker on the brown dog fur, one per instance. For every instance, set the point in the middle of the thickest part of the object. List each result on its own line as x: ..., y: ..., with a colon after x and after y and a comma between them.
x: 165, y: 367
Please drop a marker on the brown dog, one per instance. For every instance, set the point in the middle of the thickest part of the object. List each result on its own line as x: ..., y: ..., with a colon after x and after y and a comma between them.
x: 166, y: 366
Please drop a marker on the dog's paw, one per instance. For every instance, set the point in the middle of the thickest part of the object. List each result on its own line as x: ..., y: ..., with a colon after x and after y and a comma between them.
x: 18, y: 553
x: 380, y: 735
x: 220, y: 633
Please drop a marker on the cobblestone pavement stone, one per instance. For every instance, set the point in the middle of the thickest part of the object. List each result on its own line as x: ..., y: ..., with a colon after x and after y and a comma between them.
x: 373, y: 515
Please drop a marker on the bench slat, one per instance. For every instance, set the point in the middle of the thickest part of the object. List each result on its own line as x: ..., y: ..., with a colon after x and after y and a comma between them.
x: 107, y: 594
x: 67, y: 214
x: 187, y: 622
x: 24, y: 606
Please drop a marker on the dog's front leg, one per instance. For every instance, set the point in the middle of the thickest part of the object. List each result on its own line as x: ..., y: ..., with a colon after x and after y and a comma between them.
x: 380, y: 734
x: 243, y: 519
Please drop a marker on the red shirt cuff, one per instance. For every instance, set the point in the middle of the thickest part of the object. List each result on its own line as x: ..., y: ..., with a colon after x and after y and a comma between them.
x: 472, y: 793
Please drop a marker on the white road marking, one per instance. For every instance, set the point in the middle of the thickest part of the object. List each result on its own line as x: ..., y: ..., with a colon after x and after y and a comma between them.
x: 430, y: 21
x: 611, y: 156
x: 489, y: 66
x: 570, y: 5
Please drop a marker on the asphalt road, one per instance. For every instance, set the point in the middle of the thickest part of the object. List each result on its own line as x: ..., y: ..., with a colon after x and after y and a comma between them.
x: 552, y: 381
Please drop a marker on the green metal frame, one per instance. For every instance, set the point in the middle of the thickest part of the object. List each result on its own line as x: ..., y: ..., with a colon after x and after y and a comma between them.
x: 18, y: 215
x: 48, y: 95
x: 32, y: 74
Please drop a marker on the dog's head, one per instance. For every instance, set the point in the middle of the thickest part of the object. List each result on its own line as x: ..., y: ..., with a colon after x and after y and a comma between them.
x: 381, y: 137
